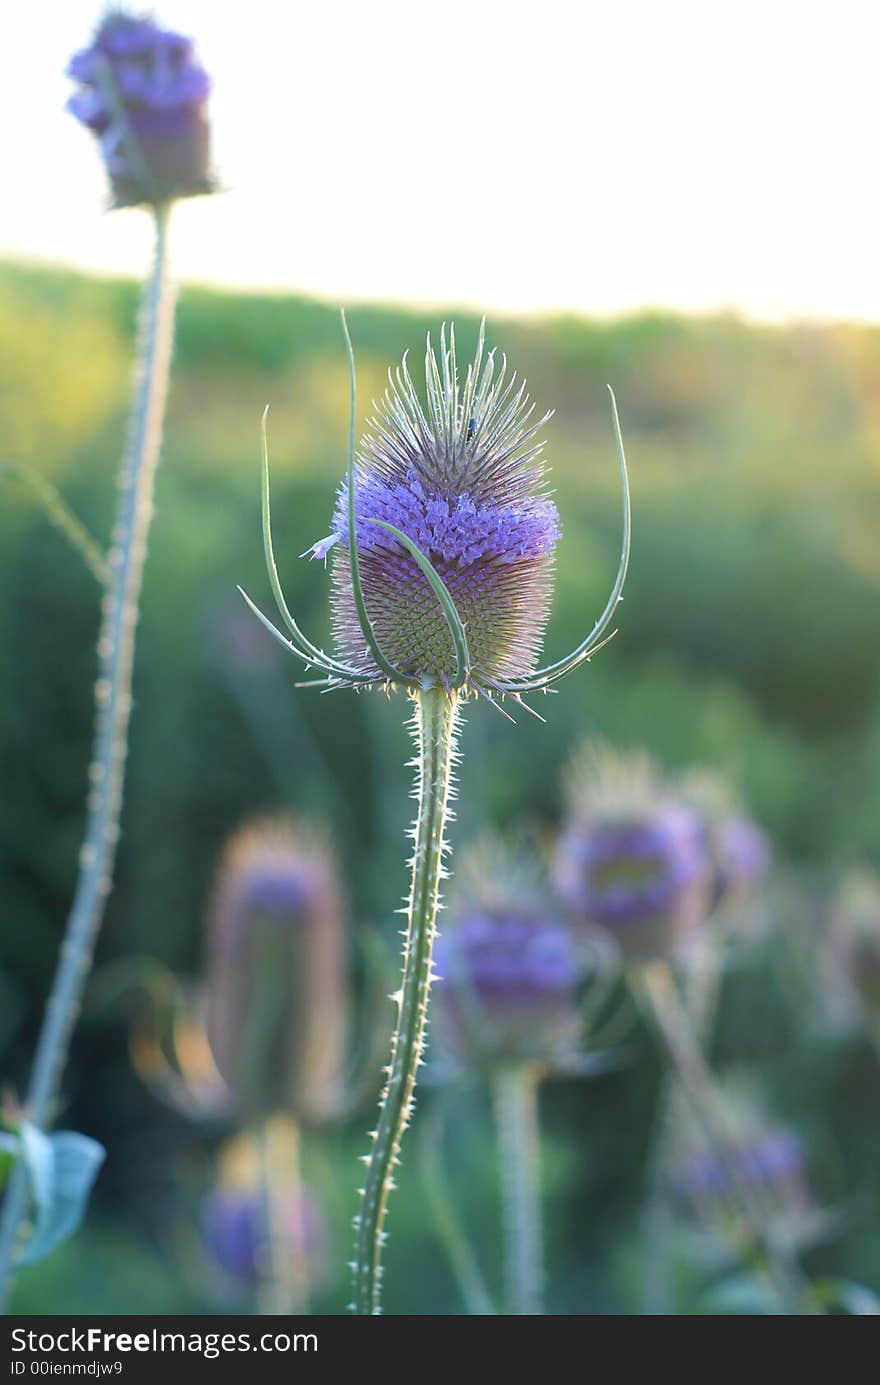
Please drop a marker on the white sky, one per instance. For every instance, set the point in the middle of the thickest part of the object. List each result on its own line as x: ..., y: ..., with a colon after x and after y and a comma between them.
x: 597, y: 157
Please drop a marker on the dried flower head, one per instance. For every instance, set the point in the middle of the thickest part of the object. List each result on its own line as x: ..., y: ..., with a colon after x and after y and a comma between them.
x: 510, y: 970
x: 443, y: 538
x: 632, y: 855
x: 276, y: 972
x: 143, y: 93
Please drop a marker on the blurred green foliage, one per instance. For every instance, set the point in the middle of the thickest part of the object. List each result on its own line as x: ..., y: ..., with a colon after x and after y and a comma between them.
x: 748, y: 640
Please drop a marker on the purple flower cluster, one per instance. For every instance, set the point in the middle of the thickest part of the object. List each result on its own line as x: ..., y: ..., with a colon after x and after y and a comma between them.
x: 452, y: 530
x: 236, y: 1234
x: 507, y: 983
x: 641, y: 876
x: 462, y: 478
x: 142, y: 92
x: 276, y: 973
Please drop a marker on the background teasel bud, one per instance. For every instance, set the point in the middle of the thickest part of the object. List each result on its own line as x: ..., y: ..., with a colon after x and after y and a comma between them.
x: 143, y: 93
x: 509, y: 968
x: 234, y: 1220
x: 739, y: 850
x: 632, y: 856
x: 462, y: 479
x: 767, y: 1157
x: 276, y: 973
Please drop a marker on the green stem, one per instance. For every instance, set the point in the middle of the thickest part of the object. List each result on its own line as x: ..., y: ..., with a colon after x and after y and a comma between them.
x: 113, y: 708
x: 285, y: 1289
x: 655, y: 987
x: 516, y: 1109
x: 702, y: 984
x: 435, y: 725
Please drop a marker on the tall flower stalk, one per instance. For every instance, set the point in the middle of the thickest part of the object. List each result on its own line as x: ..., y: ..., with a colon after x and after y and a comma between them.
x: 112, y: 709
x: 435, y: 728
x: 442, y: 542
x: 168, y: 85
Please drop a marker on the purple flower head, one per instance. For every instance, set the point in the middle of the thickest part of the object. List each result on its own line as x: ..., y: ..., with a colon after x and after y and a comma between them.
x: 462, y: 478
x: 276, y: 972
x: 509, y: 969
x: 766, y: 1158
x: 235, y: 1232
x: 631, y: 858
x: 143, y: 93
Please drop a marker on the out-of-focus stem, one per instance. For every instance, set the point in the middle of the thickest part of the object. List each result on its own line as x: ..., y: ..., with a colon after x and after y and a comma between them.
x: 113, y: 709
x: 656, y: 989
x: 435, y: 721
x: 516, y: 1109
x: 285, y: 1287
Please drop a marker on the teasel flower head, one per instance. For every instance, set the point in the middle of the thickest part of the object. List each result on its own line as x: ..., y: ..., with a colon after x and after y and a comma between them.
x: 276, y: 988
x: 765, y: 1156
x: 442, y: 538
x: 143, y: 93
x: 739, y: 849
x: 511, y: 973
x: 235, y: 1225
x: 631, y: 857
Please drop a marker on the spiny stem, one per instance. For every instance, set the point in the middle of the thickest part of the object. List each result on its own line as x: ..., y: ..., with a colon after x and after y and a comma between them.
x: 113, y: 708
x: 435, y: 726
x: 655, y: 987
x: 516, y: 1112
x: 285, y: 1289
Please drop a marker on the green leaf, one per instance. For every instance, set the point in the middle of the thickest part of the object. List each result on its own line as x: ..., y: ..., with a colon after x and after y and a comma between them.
x: 62, y: 1169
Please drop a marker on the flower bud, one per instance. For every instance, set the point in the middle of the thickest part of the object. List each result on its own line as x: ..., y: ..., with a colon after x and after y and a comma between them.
x: 631, y: 857
x: 143, y: 94
x: 276, y: 973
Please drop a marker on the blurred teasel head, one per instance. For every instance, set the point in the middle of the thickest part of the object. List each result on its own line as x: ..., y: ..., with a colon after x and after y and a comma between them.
x: 765, y: 1156
x: 739, y: 849
x: 235, y: 1220
x: 143, y: 93
x: 510, y: 971
x: 632, y: 855
x: 276, y: 973
x: 443, y: 537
